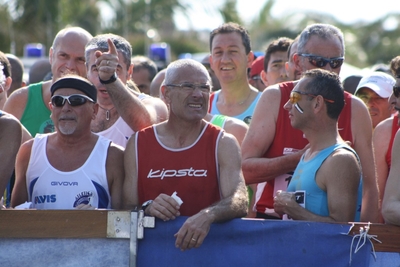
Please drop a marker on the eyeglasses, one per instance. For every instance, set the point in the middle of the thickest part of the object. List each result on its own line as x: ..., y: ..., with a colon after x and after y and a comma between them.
x: 204, y: 88
x: 396, y: 91
x: 295, y: 96
x: 320, y: 62
x: 73, y: 100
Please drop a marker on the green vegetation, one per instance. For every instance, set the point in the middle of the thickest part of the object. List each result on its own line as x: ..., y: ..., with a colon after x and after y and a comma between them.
x: 37, y: 21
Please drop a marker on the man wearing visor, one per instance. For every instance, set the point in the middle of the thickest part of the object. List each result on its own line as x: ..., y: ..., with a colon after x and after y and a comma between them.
x: 272, y: 149
x: 72, y: 167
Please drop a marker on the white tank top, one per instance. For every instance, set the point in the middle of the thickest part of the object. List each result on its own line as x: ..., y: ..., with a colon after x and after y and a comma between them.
x: 49, y: 188
x: 120, y: 132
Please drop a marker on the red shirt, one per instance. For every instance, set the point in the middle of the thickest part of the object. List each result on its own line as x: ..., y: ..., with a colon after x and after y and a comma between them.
x: 191, y: 171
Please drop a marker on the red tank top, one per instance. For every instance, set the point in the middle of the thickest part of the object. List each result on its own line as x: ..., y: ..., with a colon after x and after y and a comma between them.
x: 395, y: 127
x: 288, y: 140
x: 192, y: 171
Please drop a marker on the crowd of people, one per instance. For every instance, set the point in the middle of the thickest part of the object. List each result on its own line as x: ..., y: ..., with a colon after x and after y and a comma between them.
x: 112, y: 131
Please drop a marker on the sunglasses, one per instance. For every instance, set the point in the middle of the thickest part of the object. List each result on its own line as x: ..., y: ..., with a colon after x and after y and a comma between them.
x: 73, y: 100
x: 320, y: 62
x: 396, y: 91
x: 295, y: 96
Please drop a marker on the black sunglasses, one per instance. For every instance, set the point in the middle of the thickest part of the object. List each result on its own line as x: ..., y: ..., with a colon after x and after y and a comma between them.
x: 320, y: 62
x: 396, y: 91
x: 73, y: 100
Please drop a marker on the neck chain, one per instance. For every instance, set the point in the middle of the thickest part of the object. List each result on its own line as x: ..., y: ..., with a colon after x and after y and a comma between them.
x: 241, y: 103
x: 107, y: 112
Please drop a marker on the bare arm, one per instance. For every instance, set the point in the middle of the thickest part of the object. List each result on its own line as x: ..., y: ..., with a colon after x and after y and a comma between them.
x: 237, y: 128
x: 259, y: 138
x: 391, y: 199
x: 10, y: 141
x: 20, y: 191
x: 232, y: 205
x: 115, y: 174
x: 128, y: 105
x: 130, y: 199
x: 380, y: 140
x: 361, y: 127
x: 341, y: 185
x: 16, y: 103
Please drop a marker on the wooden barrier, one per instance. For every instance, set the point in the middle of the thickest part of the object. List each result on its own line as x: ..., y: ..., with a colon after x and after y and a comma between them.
x: 96, y: 225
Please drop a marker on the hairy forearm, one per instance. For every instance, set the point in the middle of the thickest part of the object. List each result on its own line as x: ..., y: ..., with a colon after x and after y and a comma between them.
x: 234, y: 206
x: 257, y: 170
x: 129, y: 106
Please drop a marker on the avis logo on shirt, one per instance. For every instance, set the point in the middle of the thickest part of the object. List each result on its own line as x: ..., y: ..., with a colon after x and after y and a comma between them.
x: 45, y: 199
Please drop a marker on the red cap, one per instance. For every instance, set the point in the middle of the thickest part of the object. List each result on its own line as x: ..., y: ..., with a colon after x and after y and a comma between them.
x: 257, y: 66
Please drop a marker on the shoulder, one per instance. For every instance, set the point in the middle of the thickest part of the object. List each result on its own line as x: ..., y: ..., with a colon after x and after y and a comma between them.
x: 18, y: 97
x: 384, y: 128
x: 115, y: 152
x: 344, y: 155
x: 233, y: 123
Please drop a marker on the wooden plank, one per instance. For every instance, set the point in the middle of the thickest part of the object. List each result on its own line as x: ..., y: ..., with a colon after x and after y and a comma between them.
x: 389, y: 235
x: 53, y: 223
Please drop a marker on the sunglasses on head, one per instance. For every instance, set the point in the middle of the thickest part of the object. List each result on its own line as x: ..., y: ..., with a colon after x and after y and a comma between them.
x: 396, y: 91
x: 73, y: 100
x: 295, y: 96
x: 320, y: 62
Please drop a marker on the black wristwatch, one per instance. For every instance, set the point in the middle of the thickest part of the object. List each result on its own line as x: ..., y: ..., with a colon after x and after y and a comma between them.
x: 112, y: 79
x: 146, y: 204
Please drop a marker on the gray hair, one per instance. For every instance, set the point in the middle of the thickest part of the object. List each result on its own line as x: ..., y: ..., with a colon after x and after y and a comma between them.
x: 323, y: 31
x: 99, y: 42
x: 172, y: 73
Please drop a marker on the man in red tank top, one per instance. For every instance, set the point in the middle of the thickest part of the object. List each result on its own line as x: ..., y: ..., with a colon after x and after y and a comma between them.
x: 187, y: 155
x: 272, y: 148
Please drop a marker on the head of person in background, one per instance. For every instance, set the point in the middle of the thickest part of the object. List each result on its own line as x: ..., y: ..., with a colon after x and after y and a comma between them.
x: 255, y: 74
x: 382, y: 68
x: 351, y: 82
x: 374, y: 90
x: 155, y: 86
x: 214, y: 79
x: 292, y: 72
x: 17, y: 73
x: 5, y: 78
x: 320, y: 46
x: 144, y: 71
x: 395, y: 69
x: 231, y: 53
x: 39, y: 70
x: 275, y: 60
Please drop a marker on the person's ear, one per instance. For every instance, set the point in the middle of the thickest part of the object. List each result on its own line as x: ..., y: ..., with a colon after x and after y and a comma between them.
x: 7, y: 83
x: 296, y: 61
x: 264, y: 79
x: 250, y: 59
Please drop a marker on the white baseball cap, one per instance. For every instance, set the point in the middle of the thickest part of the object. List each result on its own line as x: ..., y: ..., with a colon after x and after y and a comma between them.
x: 379, y: 82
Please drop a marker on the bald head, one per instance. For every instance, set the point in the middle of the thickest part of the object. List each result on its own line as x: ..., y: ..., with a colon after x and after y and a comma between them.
x: 72, y: 32
x: 179, y: 68
x: 155, y: 86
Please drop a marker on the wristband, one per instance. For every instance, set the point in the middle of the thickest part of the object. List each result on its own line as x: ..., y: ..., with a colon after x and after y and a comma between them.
x: 112, y: 79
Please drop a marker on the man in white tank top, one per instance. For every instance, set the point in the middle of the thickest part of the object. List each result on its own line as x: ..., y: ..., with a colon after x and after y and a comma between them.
x: 72, y: 167
x: 109, y: 73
